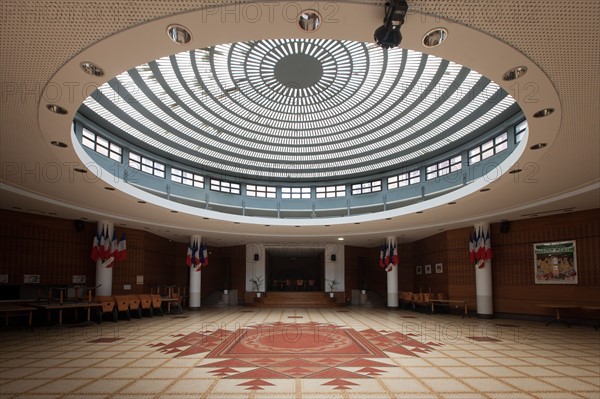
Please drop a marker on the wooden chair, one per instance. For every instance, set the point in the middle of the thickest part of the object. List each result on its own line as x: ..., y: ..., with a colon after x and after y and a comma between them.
x: 407, y: 300
x: 134, y: 306
x: 299, y: 284
x: 108, y: 306
x: 178, y: 305
x: 122, y: 302
x: 146, y: 303
x: 156, y: 304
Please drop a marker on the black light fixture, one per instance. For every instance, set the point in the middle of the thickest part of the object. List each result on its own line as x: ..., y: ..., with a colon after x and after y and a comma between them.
x: 388, y: 35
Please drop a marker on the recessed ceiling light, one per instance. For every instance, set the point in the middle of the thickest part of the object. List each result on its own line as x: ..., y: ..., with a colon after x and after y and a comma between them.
x: 538, y: 146
x: 419, y: 211
x: 59, y: 144
x: 435, y: 37
x: 512, y: 172
x: 179, y: 34
x: 109, y: 188
x: 356, y: 223
x: 57, y: 109
x: 91, y: 69
x: 514, y: 73
x: 174, y: 211
x: 209, y: 219
x: 141, y: 202
x: 327, y: 225
x: 388, y: 218
x: 452, y: 203
x: 236, y: 222
x: 483, y: 190
x: 340, y: 238
x: 543, y: 113
x: 267, y: 225
x: 309, y: 20
x: 80, y: 170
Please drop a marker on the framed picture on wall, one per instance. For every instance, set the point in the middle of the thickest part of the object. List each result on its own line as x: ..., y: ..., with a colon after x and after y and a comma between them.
x: 439, y: 268
x: 78, y: 279
x: 427, y: 269
x: 419, y: 269
x: 555, y: 263
x: 31, y: 278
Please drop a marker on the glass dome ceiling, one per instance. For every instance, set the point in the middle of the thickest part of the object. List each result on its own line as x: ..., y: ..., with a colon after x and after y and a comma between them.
x: 300, y: 109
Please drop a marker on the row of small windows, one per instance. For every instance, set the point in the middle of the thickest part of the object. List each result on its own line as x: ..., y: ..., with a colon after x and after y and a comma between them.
x: 331, y: 192
x: 295, y: 192
x: 366, y: 188
x: 520, y: 131
x: 404, y: 179
x: 147, y: 165
x: 444, y: 167
x: 489, y: 148
x: 225, y: 186
x: 187, y: 178
x: 101, y: 145
x: 261, y: 191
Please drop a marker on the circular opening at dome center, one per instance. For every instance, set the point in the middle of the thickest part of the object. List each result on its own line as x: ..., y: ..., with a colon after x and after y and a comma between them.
x: 298, y: 71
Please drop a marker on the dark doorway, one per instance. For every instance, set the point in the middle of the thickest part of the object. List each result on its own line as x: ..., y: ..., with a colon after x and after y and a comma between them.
x: 295, y: 269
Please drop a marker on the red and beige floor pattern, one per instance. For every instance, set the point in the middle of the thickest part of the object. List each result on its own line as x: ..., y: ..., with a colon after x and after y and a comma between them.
x: 352, y: 352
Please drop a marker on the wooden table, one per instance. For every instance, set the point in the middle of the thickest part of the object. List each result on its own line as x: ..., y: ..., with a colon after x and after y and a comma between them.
x: 48, y: 307
x: 557, y: 307
x: 16, y: 310
x: 449, y: 301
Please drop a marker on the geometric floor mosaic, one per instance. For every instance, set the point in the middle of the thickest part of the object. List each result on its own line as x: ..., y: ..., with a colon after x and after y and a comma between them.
x: 310, y: 350
x: 350, y: 353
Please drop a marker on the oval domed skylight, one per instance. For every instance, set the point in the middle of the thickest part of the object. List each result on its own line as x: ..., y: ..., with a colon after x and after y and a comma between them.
x: 299, y: 109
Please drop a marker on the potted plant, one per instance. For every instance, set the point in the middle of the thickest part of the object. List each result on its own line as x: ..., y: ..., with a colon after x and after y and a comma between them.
x: 332, y: 284
x: 256, y: 284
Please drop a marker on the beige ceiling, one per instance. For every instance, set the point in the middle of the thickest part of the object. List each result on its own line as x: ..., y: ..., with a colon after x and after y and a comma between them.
x: 561, y: 38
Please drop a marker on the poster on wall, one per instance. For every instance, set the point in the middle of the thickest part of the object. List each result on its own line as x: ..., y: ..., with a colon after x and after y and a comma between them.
x: 555, y: 263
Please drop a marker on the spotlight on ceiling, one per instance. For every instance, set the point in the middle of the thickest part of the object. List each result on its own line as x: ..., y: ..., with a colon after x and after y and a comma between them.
x: 388, y: 35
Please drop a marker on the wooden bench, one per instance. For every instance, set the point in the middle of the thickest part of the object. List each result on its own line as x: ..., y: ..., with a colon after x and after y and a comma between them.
x: 17, y: 310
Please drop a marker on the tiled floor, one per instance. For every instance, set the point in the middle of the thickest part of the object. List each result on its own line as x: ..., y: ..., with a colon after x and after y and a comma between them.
x: 364, y: 353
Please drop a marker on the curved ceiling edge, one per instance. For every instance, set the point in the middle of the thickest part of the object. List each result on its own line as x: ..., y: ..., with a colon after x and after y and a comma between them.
x: 487, y: 55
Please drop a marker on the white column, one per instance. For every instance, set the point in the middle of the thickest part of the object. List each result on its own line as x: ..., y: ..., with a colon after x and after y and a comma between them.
x: 103, y: 273
x: 483, y: 279
x: 195, y: 277
x: 392, y: 277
